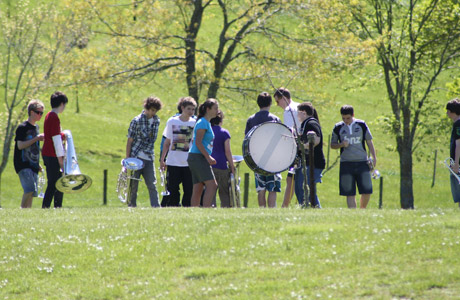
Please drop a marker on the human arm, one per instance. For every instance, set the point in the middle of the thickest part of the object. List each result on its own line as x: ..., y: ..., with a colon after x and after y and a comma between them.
x: 129, y: 144
x: 338, y: 145
x: 455, y: 167
x: 370, y: 144
x: 317, y: 140
x: 199, y: 135
x: 229, y: 156
x: 165, y: 151
x: 59, y: 149
x: 28, y: 143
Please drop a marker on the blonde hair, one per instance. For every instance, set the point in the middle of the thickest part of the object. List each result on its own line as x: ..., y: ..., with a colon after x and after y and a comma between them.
x: 34, y: 105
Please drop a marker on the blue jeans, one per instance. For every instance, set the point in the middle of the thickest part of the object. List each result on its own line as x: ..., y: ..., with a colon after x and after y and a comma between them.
x: 299, y: 191
x: 455, y: 188
x: 148, y: 172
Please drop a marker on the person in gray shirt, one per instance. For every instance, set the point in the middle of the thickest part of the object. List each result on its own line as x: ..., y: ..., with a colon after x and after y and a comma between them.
x: 351, y: 136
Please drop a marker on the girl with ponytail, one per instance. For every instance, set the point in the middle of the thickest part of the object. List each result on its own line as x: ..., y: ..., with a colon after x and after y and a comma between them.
x: 199, y: 157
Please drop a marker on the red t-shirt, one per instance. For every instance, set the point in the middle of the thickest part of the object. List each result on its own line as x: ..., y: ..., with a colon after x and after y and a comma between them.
x: 52, y: 127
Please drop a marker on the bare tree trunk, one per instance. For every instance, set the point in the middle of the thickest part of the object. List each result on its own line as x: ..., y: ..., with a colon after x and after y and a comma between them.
x: 213, y: 89
x: 0, y: 190
x: 190, y: 49
x: 406, y: 181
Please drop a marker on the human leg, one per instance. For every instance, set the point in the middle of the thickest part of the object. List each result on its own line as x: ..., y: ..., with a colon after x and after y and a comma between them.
x: 364, y: 200
x: 351, y: 201
x: 196, y: 194
x: 347, y: 184
x: 133, y: 184
x: 364, y: 183
x: 455, y: 189
x: 173, y: 180
x: 187, y: 186
x: 299, y: 186
x: 288, y: 193
x: 202, y: 175
x: 28, y: 179
x: 222, y: 179
x: 261, y: 198
x: 53, y: 173
x: 210, y: 192
x: 317, y: 179
x: 272, y: 199
x: 271, y: 184
x: 148, y: 172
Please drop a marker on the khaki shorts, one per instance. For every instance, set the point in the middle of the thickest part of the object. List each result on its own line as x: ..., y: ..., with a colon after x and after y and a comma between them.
x: 200, y: 168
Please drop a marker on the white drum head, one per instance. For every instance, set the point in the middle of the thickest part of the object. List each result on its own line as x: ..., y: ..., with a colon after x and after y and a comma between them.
x: 272, y: 146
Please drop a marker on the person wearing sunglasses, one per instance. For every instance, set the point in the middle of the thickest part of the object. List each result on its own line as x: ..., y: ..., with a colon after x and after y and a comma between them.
x: 27, y: 152
x: 53, y: 150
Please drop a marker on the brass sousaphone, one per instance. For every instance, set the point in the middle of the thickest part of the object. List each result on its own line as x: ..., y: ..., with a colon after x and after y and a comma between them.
x: 73, y: 181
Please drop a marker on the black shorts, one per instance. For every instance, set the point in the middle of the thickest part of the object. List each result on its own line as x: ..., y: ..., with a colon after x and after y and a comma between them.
x: 352, y: 174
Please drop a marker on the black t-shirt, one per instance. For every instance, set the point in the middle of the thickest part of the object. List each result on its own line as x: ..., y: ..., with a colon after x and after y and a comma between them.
x: 28, y: 157
x: 454, y: 136
x: 311, y: 124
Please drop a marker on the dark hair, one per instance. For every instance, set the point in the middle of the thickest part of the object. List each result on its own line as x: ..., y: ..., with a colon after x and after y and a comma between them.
x: 454, y: 106
x: 57, y: 98
x: 309, y: 109
x: 34, y: 105
x: 153, y: 102
x: 218, y: 119
x: 264, y: 100
x: 282, y: 92
x: 185, y: 101
x: 347, y: 110
x: 205, y: 106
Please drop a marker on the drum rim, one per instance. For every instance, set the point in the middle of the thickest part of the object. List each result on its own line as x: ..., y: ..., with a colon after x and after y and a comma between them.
x: 139, y: 163
x: 247, y: 152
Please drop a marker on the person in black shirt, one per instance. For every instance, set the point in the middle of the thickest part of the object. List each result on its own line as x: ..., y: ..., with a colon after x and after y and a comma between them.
x: 308, y: 117
x: 453, y: 112
x: 27, y: 152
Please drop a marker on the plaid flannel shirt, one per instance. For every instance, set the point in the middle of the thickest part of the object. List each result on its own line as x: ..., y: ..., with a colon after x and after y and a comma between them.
x: 143, y: 134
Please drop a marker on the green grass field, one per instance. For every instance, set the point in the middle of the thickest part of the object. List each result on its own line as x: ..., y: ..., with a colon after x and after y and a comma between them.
x: 110, y: 253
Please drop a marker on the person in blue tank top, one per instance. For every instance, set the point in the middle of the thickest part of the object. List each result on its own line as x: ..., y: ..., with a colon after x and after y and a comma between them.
x: 199, y: 157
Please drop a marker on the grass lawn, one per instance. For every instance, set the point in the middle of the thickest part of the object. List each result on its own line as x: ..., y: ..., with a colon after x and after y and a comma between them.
x: 143, y: 253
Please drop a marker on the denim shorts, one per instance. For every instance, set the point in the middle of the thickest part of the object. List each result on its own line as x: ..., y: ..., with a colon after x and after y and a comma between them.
x: 270, y: 183
x: 352, y: 174
x: 29, y: 181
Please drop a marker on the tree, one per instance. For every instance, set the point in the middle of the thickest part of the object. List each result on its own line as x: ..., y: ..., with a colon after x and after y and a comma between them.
x: 416, y: 41
x: 31, y: 44
x: 214, y: 44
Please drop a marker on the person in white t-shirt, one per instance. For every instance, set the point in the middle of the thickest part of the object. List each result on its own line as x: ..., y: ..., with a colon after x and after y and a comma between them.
x: 283, y: 99
x: 178, y: 132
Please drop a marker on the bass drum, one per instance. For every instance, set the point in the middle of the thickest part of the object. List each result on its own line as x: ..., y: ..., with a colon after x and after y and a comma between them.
x: 269, y: 148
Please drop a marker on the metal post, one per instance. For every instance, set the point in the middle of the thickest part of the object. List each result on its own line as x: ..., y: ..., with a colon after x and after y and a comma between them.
x: 311, y: 160
x: 434, y: 167
x: 328, y: 150
x: 381, y: 193
x: 104, y: 200
x: 246, y: 189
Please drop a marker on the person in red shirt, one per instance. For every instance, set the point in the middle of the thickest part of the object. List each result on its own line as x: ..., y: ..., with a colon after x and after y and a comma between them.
x: 53, y: 150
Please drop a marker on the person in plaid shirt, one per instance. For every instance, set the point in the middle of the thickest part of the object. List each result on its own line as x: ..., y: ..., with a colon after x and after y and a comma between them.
x: 142, y: 134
